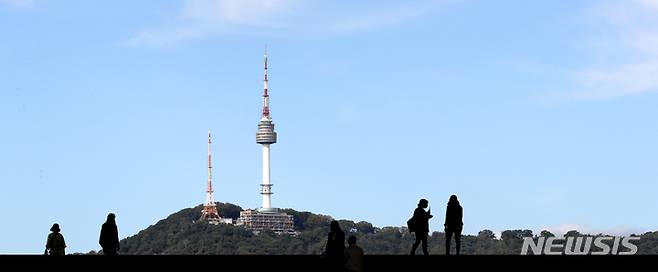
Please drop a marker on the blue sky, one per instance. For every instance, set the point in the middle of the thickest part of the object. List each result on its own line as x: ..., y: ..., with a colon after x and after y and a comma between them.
x: 537, y: 114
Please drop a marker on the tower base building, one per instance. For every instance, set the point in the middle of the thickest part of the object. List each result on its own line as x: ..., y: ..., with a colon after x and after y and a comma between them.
x: 257, y: 221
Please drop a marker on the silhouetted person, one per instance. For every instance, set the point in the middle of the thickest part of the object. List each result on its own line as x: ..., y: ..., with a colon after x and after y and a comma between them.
x: 353, y: 256
x: 422, y: 226
x: 453, y: 224
x: 335, y: 247
x: 55, y: 244
x: 109, y: 238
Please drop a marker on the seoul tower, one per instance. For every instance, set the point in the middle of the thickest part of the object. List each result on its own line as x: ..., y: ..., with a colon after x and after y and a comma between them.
x: 266, y: 218
x: 209, y: 212
x: 266, y: 136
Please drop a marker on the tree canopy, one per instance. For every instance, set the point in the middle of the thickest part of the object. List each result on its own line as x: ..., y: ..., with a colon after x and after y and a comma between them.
x: 182, y: 233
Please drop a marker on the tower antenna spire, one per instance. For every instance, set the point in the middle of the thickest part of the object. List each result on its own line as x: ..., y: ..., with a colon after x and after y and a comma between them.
x: 266, y: 95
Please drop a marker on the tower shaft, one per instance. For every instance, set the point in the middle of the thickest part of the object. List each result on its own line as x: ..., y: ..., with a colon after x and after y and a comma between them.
x: 266, y: 187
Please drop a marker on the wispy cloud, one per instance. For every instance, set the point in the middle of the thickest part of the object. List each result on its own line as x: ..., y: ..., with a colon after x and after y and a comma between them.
x: 626, y: 52
x: 18, y: 3
x: 201, y: 18
x: 627, y: 79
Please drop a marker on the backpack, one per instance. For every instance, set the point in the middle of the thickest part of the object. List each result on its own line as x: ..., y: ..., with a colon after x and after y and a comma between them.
x: 411, y: 224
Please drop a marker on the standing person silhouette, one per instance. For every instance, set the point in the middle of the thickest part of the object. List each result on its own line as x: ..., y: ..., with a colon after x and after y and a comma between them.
x: 453, y: 224
x: 55, y: 244
x: 109, y: 238
x: 422, y: 226
x: 335, y: 247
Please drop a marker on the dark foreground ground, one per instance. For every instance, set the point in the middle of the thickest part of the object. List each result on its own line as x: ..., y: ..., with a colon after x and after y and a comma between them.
x: 314, y: 263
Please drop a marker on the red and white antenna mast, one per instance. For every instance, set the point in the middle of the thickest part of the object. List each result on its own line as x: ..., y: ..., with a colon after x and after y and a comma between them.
x: 209, y: 207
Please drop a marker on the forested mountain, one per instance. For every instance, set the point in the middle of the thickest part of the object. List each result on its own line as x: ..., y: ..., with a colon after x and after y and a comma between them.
x: 181, y: 233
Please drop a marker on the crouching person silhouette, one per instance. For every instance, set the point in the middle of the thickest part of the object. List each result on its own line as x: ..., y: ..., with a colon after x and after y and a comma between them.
x: 55, y: 244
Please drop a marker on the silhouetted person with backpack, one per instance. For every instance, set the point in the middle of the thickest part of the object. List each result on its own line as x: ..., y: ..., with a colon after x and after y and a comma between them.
x: 353, y: 256
x: 335, y: 247
x: 109, y: 238
x: 55, y: 244
x: 421, y: 225
x: 453, y: 224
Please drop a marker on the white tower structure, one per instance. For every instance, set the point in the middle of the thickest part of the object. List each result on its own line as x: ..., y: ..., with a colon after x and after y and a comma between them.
x: 266, y: 218
x: 266, y: 136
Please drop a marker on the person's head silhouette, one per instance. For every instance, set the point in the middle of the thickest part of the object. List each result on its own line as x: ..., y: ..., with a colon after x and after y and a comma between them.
x: 55, y: 228
x: 111, y: 218
x: 351, y: 240
x: 453, y: 199
x: 334, y: 226
x: 423, y: 203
